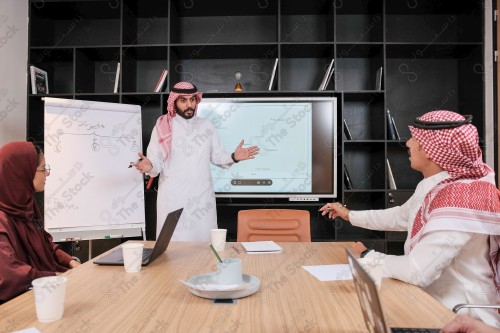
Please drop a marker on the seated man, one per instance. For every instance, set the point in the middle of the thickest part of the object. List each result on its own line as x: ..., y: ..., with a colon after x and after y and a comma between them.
x: 449, y: 218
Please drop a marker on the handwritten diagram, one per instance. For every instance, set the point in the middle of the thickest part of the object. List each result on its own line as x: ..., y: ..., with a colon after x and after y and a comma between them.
x: 95, y: 131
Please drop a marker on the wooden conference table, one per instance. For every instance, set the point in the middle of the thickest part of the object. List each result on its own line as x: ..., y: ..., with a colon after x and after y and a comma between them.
x: 107, y: 299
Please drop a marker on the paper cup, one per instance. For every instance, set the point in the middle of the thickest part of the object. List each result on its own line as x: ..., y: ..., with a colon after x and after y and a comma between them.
x: 230, y: 271
x: 50, y: 292
x: 219, y: 239
x: 132, y: 256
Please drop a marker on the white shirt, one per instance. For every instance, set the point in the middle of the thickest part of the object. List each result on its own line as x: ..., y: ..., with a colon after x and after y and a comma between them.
x: 185, y: 178
x: 451, y: 266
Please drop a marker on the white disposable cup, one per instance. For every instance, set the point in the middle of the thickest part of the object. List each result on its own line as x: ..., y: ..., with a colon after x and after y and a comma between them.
x: 50, y: 292
x: 219, y: 239
x: 230, y: 271
x: 132, y: 256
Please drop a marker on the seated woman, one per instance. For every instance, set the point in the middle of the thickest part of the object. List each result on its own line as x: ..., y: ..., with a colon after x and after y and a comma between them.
x: 26, y: 250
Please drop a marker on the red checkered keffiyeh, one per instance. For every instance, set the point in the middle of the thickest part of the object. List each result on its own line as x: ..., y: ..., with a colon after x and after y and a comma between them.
x: 466, y: 201
x: 164, y: 123
x: 456, y: 150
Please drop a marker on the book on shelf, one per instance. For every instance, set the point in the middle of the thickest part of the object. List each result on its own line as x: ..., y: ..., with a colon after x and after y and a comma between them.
x: 347, y: 179
x: 117, y: 77
x: 327, y: 76
x: 39, y: 81
x: 273, y: 75
x: 390, y: 176
x: 161, y: 81
x: 347, y: 132
x: 395, y: 128
x: 391, y: 132
x: 378, y: 79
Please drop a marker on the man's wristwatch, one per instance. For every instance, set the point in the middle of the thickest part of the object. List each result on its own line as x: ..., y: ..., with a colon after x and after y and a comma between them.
x: 234, y: 160
x: 364, y: 253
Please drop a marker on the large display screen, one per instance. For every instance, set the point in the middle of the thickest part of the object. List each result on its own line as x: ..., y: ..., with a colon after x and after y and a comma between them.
x: 297, y: 141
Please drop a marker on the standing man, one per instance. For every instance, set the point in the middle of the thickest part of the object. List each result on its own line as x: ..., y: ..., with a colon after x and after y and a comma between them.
x: 181, y: 149
x: 452, y: 218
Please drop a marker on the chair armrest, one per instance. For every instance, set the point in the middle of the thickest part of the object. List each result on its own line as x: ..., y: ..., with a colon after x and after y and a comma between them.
x: 458, y: 307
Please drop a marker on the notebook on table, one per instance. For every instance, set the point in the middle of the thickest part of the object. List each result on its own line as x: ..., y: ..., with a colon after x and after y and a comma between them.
x: 369, y: 300
x: 115, y: 257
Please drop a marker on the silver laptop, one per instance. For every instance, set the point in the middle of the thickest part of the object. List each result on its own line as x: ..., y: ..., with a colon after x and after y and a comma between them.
x: 370, y: 301
x: 115, y: 258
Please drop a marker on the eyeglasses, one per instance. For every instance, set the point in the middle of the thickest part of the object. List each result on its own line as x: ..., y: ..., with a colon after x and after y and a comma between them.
x: 436, y: 125
x: 46, y: 169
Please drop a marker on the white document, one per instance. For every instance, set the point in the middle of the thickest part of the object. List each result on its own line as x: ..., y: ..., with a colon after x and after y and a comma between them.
x: 28, y: 330
x: 330, y: 272
x: 262, y: 247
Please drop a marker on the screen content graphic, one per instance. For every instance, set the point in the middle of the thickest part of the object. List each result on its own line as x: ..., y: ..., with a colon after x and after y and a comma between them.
x: 283, y: 134
x: 291, y: 142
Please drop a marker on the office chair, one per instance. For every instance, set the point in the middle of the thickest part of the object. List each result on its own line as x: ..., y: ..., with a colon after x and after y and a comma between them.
x: 281, y: 225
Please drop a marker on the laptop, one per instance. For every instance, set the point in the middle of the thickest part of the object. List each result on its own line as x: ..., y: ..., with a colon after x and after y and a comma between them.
x: 115, y: 258
x: 370, y: 301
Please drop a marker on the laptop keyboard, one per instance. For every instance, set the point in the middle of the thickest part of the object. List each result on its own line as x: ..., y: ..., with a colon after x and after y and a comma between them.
x: 414, y: 330
x: 146, y: 253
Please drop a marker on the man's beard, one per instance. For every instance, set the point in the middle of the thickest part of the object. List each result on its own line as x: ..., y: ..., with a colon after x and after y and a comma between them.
x: 183, y: 113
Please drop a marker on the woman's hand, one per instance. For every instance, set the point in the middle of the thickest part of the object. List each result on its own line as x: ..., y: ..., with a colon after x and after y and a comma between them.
x: 73, y: 263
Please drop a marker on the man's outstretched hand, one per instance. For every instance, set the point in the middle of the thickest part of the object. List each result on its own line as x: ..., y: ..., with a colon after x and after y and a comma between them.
x: 241, y: 154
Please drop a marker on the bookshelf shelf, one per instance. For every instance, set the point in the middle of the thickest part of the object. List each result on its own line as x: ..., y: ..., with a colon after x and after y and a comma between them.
x: 431, y: 54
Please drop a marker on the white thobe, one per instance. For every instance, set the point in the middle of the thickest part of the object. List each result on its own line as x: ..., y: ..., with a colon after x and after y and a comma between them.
x: 185, y: 179
x: 451, y: 266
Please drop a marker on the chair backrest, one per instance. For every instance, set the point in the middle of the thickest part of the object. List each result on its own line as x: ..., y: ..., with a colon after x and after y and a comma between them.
x: 281, y: 225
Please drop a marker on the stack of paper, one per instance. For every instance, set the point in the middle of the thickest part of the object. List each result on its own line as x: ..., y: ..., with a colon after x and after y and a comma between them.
x: 262, y: 247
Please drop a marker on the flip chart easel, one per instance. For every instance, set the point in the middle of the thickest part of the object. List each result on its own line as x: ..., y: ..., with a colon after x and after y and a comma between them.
x: 91, y: 193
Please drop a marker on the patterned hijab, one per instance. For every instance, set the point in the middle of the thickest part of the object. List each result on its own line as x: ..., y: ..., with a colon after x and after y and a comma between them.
x: 468, y: 200
x: 164, y: 123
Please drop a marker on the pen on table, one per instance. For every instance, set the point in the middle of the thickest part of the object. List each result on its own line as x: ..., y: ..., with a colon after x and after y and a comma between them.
x: 70, y: 239
x: 113, y: 236
x: 132, y: 164
x: 236, y: 249
x: 216, y: 254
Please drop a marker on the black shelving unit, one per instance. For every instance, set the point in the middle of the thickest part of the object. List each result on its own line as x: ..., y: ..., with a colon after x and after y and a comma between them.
x: 431, y: 54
